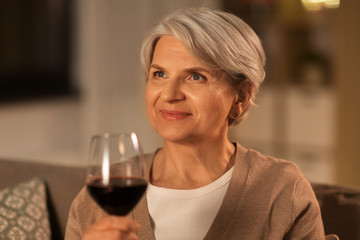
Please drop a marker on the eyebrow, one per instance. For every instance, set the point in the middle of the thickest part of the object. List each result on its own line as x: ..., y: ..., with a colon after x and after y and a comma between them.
x: 155, y: 66
x: 191, y: 69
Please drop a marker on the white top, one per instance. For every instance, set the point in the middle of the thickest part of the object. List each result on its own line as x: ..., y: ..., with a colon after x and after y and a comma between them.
x: 185, y: 214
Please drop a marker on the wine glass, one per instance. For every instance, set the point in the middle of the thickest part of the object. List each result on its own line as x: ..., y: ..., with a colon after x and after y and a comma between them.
x: 115, y: 177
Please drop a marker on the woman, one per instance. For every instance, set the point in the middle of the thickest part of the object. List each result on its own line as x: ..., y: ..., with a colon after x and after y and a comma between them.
x: 203, y: 70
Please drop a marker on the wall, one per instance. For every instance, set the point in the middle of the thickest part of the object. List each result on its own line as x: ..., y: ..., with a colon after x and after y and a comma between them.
x: 47, y: 131
x: 107, y: 41
x: 348, y: 86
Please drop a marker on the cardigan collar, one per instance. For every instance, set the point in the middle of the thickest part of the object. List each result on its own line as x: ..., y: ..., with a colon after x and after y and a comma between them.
x: 226, y: 211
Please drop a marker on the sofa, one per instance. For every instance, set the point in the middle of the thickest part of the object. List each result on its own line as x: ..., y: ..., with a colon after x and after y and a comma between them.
x: 340, y: 206
x: 62, y: 185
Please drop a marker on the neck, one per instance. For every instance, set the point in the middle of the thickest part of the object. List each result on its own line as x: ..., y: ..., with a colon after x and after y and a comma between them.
x: 188, y: 166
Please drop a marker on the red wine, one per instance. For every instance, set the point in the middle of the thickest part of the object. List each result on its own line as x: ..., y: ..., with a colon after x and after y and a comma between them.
x: 118, y: 197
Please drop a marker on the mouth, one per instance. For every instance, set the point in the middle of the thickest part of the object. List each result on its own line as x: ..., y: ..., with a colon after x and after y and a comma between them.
x: 174, y: 115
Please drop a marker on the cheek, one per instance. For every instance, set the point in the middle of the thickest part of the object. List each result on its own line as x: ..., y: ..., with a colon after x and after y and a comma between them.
x: 214, y: 103
x: 217, y: 107
x: 150, y: 99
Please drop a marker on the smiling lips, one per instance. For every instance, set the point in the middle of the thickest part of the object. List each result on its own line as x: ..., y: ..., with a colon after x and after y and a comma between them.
x: 173, y: 115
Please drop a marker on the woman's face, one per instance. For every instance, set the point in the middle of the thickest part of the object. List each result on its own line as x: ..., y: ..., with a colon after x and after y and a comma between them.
x: 186, y: 101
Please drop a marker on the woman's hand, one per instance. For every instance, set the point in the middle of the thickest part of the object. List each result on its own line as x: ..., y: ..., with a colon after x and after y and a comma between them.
x: 113, y: 228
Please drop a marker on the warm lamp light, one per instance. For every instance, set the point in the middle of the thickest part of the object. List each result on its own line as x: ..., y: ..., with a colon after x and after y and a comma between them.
x: 316, y: 5
x: 332, y: 3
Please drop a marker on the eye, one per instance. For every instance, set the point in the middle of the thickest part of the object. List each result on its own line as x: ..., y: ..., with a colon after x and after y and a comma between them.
x: 197, y: 76
x: 159, y: 74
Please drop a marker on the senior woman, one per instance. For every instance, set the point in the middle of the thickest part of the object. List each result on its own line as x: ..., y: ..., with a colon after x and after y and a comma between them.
x: 203, y: 70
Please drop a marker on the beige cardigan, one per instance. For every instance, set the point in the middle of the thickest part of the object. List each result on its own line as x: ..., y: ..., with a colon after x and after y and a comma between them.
x: 267, y: 198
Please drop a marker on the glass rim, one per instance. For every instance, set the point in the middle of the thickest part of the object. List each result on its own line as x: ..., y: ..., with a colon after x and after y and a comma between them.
x: 112, y: 135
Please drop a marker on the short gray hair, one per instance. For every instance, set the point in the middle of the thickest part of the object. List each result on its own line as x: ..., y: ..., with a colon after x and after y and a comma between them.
x: 220, y: 40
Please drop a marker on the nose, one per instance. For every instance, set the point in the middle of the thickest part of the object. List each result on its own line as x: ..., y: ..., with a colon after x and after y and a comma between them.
x: 173, y: 91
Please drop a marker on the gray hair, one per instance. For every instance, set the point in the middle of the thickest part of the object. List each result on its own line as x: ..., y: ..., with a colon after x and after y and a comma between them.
x: 220, y: 40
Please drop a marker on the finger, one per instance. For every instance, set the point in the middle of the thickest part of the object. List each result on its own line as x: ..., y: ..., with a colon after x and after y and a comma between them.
x: 124, y: 224
x: 131, y: 236
x: 110, y: 235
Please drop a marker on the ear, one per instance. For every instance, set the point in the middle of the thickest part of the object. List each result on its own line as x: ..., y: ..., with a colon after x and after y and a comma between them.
x: 244, y: 91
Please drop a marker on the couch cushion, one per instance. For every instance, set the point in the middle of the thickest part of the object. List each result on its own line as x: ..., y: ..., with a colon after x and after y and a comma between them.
x: 63, y: 183
x: 23, y: 211
x: 340, y: 210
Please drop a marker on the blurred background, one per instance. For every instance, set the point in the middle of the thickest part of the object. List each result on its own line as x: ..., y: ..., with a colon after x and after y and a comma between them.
x: 70, y: 69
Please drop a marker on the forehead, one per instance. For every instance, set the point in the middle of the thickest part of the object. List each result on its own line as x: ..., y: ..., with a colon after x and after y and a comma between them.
x: 170, y: 48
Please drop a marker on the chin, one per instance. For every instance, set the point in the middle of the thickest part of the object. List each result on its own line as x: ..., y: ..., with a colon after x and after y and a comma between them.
x: 173, y: 135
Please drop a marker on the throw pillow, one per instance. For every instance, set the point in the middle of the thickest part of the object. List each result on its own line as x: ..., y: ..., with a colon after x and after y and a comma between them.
x: 23, y: 212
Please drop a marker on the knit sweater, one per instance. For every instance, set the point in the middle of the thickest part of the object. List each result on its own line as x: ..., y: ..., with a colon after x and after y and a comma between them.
x: 267, y: 198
